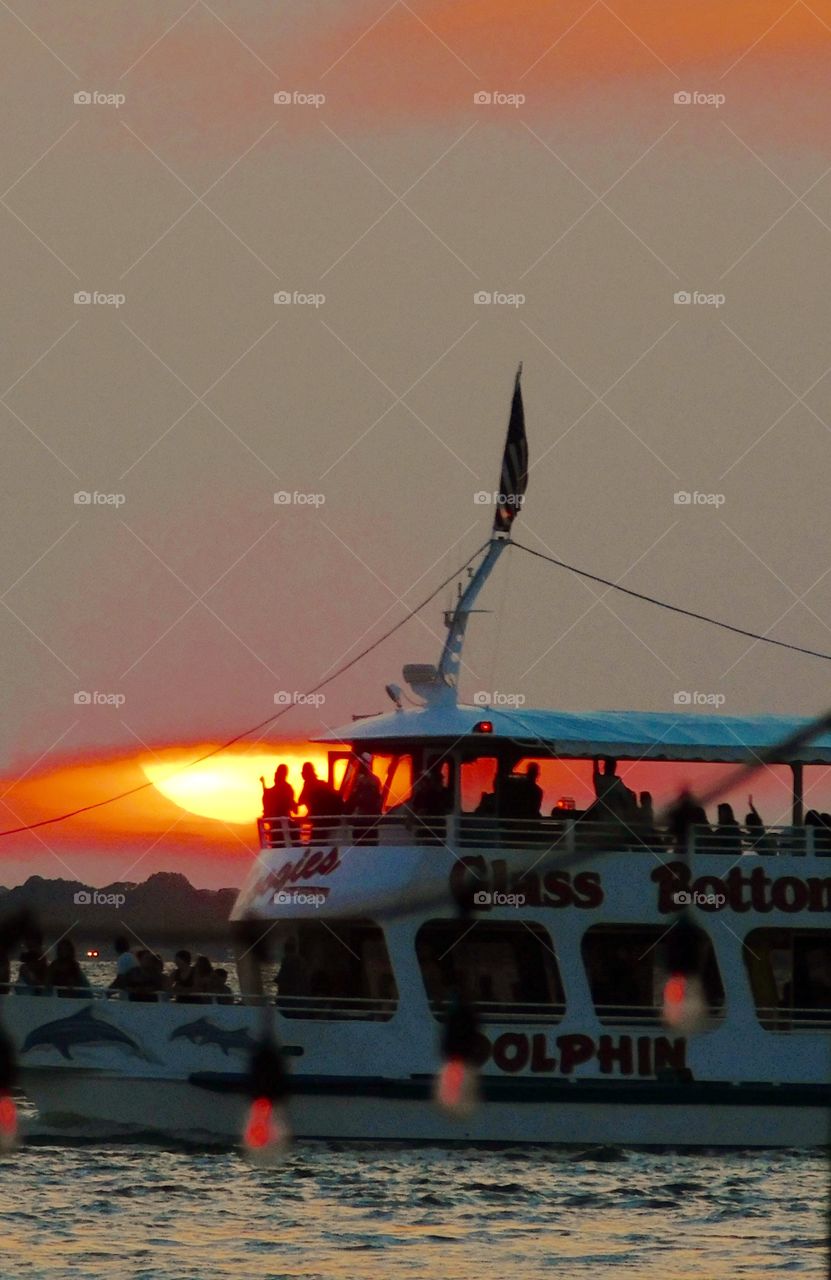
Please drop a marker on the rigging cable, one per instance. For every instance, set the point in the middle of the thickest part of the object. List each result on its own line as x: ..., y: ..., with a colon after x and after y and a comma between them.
x: 673, y: 608
x: 246, y: 733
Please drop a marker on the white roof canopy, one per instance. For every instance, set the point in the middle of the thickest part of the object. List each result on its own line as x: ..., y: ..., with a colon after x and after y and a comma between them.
x: 627, y: 735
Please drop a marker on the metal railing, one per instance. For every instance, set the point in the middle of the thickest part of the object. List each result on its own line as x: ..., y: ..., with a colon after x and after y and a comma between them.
x: 337, y: 1008
x: 569, y: 832
x: 307, y: 1006
x: 490, y: 1011
x: 645, y: 1015
x: 140, y: 994
x: 783, y: 1020
x: 775, y: 1018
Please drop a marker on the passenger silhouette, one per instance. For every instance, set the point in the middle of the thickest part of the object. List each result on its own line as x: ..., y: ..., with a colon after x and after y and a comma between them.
x: 645, y: 821
x: 760, y: 841
x: 430, y: 802
x: 219, y: 987
x: 365, y: 803
x: 614, y: 799
x: 181, y: 975
x: 279, y: 803
x: 64, y: 971
x: 728, y: 833
x: 687, y: 817
x: 31, y: 974
x: 431, y: 798
x: 125, y: 961
x: 531, y: 792
x: 323, y: 804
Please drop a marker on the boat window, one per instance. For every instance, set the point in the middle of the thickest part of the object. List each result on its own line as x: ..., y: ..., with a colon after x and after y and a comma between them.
x: 790, y: 977
x: 509, y: 972
x: 338, y: 769
x: 396, y: 774
x: 335, y: 971
x: 477, y: 786
x: 625, y: 966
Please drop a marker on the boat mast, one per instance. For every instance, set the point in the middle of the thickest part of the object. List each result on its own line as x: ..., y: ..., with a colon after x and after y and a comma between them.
x: 451, y: 655
x: 440, y: 684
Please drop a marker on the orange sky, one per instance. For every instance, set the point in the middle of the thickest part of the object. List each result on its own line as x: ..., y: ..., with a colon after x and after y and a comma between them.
x: 383, y: 66
x: 147, y: 832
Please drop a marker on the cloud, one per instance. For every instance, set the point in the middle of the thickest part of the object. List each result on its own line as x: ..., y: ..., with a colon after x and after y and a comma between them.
x: 413, y: 63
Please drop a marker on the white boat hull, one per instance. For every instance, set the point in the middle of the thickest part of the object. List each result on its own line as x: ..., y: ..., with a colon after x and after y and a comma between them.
x: 369, y: 1111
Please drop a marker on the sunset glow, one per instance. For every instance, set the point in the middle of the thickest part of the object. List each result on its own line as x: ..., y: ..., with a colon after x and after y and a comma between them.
x: 227, y: 788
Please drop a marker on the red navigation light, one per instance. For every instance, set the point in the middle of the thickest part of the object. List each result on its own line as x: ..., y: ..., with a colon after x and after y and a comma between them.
x: 484, y: 726
x: 8, y: 1123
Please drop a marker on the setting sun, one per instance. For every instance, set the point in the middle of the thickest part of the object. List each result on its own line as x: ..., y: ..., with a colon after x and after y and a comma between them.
x: 227, y: 788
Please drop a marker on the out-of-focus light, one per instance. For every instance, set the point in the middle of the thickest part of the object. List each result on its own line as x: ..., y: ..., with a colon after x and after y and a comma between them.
x: 457, y: 1088
x: 484, y: 726
x: 8, y: 1124
x: 267, y: 1134
x: 684, y: 1006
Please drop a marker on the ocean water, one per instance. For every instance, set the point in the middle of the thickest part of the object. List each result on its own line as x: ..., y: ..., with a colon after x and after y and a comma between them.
x: 353, y: 1213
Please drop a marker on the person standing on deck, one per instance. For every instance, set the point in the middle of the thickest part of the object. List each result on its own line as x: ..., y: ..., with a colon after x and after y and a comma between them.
x: 278, y: 801
x: 323, y: 804
x: 611, y: 791
x: 365, y: 803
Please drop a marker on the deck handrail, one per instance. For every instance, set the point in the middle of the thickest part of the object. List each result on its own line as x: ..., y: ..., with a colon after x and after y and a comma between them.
x: 568, y: 830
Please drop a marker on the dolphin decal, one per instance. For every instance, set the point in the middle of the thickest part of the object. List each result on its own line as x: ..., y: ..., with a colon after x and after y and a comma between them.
x: 78, y: 1029
x: 202, y: 1031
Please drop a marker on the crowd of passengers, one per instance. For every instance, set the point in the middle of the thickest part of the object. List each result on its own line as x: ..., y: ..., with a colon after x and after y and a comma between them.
x: 519, y: 797
x: 615, y: 802
x: 139, y: 974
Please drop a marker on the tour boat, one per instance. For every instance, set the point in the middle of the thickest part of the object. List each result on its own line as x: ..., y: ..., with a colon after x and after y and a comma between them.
x: 556, y: 927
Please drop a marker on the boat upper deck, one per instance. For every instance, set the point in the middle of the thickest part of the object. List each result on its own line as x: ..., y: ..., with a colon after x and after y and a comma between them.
x: 626, y: 735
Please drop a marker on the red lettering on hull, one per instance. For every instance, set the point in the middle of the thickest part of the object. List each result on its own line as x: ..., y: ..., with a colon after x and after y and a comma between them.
x: 624, y: 1055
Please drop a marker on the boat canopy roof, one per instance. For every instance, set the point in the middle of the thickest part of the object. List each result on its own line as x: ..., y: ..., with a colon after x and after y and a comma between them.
x: 626, y: 735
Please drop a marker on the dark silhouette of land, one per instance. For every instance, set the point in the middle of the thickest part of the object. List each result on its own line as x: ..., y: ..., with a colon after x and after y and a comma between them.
x: 164, y: 907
